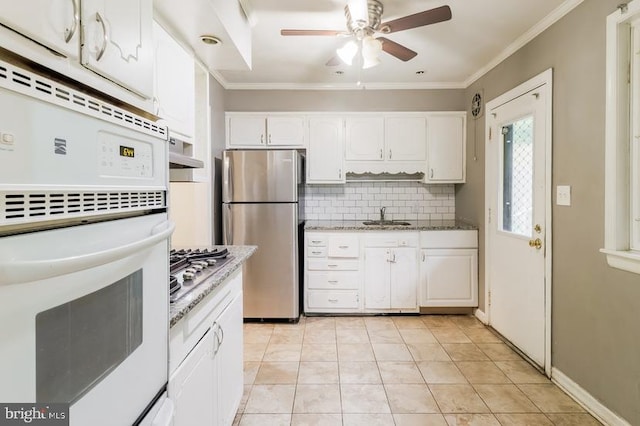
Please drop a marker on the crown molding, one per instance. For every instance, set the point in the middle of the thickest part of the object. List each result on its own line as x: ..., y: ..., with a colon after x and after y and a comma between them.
x: 553, y: 17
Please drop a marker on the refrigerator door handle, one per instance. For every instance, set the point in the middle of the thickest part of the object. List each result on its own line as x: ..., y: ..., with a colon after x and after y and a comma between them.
x: 227, y: 190
x: 228, y: 223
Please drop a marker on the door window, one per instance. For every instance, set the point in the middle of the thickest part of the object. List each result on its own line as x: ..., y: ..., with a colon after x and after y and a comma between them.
x: 517, y: 177
x: 80, y: 342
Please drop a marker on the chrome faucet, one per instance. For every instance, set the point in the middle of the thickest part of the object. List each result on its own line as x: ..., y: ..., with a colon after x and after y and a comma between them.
x: 382, y: 210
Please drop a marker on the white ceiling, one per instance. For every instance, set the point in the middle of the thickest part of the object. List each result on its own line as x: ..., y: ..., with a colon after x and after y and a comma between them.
x: 452, y: 54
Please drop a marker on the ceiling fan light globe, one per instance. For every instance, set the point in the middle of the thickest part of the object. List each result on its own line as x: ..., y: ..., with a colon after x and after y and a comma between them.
x: 347, y: 52
x: 369, y: 62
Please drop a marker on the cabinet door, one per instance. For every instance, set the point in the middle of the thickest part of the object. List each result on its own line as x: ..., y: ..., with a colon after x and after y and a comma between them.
x: 405, y: 138
x: 191, y: 387
x: 246, y: 130
x: 364, y: 138
x: 52, y: 23
x: 325, y: 157
x: 376, y: 278
x: 404, y: 278
x: 229, y: 362
x: 119, y: 43
x: 174, y: 83
x: 285, y: 131
x: 446, y: 148
x: 449, y: 277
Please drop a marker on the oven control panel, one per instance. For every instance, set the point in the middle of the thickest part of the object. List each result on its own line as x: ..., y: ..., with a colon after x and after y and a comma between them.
x: 124, y: 157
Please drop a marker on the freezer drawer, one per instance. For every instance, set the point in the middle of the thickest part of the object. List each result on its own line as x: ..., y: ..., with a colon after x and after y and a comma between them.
x: 271, y: 280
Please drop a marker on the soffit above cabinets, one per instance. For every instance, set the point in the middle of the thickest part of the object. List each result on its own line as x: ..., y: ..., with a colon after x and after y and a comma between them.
x: 189, y: 20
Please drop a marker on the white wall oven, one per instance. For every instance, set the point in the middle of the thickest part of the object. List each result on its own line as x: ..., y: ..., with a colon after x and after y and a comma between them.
x: 83, y: 253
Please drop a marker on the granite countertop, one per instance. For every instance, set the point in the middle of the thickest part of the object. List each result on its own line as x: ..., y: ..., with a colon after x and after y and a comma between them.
x: 415, y: 225
x: 180, y: 308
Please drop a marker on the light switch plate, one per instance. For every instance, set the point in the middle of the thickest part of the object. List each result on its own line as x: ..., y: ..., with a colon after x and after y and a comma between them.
x: 563, y: 195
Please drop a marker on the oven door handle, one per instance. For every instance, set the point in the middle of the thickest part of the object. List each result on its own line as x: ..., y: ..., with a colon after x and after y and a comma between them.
x: 17, y: 271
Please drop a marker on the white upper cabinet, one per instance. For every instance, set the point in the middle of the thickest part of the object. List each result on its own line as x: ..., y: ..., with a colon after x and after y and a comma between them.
x: 405, y: 138
x: 265, y: 131
x: 174, y: 84
x: 104, y: 44
x: 118, y: 42
x: 446, y: 148
x: 364, y: 138
x: 285, y: 131
x: 325, y: 155
x: 52, y: 23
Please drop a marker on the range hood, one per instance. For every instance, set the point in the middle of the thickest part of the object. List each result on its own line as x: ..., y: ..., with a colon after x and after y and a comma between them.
x: 179, y: 157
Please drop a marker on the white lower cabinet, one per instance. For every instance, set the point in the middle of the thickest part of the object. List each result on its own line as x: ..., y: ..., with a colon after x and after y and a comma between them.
x: 449, y: 269
x: 332, y: 272
x: 205, y: 359
x: 391, y: 273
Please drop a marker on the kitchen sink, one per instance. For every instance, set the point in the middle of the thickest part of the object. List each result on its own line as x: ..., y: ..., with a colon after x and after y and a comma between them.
x: 386, y: 223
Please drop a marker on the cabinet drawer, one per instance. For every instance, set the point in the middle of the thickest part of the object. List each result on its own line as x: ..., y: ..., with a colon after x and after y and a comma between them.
x: 316, y: 240
x: 316, y: 251
x: 332, y: 265
x: 343, y: 246
x: 449, y: 239
x: 409, y: 239
x: 328, y: 299
x: 333, y: 280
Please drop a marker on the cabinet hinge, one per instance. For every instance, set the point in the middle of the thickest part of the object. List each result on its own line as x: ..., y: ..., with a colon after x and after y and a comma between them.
x: 489, y: 298
x: 489, y: 214
x: 490, y: 132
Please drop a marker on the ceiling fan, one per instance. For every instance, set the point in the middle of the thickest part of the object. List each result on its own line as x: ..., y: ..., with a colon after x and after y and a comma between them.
x: 364, y: 19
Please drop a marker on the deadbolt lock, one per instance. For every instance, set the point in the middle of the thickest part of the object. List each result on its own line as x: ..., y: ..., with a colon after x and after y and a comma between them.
x: 537, y: 243
x: 538, y: 229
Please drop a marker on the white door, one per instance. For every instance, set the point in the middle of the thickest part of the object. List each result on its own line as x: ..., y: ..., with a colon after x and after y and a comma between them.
x: 285, y: 131
x: 325, y: 161
x: 517, y: 228
x: 52, y: 23
x: 246, y: 130
x: 229, y: 362
x: 376, y: 278
x: 404, y: 278
x: 118, y: 42
x: 364, y: 138
x: 445, y: 148
x: 405, y: 138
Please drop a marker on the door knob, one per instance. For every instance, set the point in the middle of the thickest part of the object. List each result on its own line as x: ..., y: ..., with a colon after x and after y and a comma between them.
x: 537, y: 243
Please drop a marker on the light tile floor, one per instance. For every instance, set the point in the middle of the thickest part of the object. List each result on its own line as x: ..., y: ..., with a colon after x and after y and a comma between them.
x: 394, y: 370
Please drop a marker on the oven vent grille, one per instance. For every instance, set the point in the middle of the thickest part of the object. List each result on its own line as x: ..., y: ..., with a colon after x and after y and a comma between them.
x: 37, y: 86
x: 24, y: 208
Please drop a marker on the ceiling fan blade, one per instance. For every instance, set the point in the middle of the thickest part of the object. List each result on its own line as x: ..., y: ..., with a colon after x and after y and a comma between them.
x: 333, y: 62
x: 431, y: 16
x: 397, y: 50
x: 310, y: 32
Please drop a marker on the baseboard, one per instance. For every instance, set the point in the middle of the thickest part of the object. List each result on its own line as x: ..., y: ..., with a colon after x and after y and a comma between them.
x: 481, y: 316
x: 588, y: 402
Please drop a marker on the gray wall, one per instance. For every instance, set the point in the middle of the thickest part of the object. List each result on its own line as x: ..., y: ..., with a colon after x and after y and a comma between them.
x: 595, y: 308
x: 345, y: 100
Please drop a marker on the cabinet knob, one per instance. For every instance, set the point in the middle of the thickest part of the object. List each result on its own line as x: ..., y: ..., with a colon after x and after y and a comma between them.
x: 262, y: 139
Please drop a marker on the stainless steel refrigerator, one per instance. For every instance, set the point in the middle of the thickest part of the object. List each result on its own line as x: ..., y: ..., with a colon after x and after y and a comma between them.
x: 260, y: 194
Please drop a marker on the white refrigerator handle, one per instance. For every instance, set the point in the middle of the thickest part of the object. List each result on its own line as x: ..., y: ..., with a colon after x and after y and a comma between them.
x: 17, y: 271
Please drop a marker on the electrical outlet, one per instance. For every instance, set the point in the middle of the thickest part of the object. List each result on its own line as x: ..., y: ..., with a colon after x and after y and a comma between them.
x: 563, y: 195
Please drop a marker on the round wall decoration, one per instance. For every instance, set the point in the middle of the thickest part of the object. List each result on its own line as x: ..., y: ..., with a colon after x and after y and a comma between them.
x: 476, y: 105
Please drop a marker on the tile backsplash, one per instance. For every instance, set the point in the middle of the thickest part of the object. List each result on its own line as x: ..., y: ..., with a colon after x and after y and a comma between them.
x: 363, y: 200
